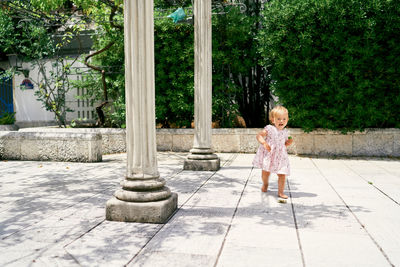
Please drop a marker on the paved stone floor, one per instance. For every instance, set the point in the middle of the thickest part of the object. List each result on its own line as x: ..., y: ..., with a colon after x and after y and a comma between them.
x: 341, y: 212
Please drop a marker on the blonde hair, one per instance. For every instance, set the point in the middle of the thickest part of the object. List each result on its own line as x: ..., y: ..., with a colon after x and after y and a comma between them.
x: 277, y: 110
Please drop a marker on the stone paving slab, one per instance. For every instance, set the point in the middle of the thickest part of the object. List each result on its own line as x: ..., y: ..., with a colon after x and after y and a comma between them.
x: 342, y: 212
x: 334, y: 228
x: 260, y: 228
x: 102, y: 247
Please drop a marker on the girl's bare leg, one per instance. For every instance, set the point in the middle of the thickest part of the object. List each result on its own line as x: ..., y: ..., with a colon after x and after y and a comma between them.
x: 265, y: 178
x: 281, y: 186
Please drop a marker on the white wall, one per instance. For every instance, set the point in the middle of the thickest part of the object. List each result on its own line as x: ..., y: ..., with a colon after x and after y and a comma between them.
x: 27, y: 108
x: 30, y: 112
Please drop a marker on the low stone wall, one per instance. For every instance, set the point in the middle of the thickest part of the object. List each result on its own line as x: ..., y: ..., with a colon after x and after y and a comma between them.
x: 222, y: 140
x: 113, y: 139
x: 371, y: 142
x: 48, y: 146
x: 9, y: 127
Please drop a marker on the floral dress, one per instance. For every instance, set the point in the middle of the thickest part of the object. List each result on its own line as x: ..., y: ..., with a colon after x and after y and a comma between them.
x: 276, y: 160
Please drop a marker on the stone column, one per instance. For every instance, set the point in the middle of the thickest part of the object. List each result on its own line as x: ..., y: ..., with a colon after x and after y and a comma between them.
x: 201, y: 156
x: 143, y: 196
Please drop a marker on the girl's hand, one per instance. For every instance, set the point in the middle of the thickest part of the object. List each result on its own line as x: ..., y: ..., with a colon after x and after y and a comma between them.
x: 289, y: 141
x: 266, y: 146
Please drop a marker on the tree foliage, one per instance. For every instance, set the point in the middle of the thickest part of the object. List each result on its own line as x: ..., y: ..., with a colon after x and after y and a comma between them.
x: 240, y: 84
x: 27, y: 30
x: 335, y: 63
x: 174, y: 66
x: 109, y: 46
x: 33, y: 39
x: 238, y: 76
x: 28, y: 38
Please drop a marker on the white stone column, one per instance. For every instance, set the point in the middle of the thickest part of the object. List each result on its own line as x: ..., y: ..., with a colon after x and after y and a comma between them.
x: 143, y: 196
x: 201, y: 156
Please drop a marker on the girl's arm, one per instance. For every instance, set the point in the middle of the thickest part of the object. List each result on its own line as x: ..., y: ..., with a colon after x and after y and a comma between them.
x: 261, y: 139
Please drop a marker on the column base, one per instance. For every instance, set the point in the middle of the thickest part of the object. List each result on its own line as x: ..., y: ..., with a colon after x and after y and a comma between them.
x: 202, y: 164
x: 143, y: 212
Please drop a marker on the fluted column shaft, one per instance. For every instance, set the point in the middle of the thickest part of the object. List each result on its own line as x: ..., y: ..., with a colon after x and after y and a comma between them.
x: 144, y: 196
x: 201, y: 156
x: 140, y: 89
x: 202, y: 74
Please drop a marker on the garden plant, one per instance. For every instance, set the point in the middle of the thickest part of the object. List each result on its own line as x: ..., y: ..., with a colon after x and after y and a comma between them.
x: 335, y: 64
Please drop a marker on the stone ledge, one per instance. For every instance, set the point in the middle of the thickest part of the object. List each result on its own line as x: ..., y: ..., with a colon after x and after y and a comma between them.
x: 371, y: 142
x: 9, y: 127
x: 113, y: 139
x: 50, y: 146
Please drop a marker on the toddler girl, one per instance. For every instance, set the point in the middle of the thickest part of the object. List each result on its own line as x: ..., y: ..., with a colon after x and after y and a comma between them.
x: 272, y: 155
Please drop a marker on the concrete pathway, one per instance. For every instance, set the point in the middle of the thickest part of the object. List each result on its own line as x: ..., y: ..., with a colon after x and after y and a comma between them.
x: 341, y: 212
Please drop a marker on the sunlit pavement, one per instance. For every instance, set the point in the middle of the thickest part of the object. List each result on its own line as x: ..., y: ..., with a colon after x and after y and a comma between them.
x: 341, y: 212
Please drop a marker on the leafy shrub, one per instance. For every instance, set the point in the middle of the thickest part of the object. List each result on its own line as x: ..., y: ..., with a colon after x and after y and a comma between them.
x: 335, y: 63
x: 7, y: 118
x: 174, y: 67
x: 240, y: 85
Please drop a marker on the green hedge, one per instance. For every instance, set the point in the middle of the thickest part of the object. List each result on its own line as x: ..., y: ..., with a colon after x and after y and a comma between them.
x: 335, y: 63
x: 174, y: 68
x: 7, y: 118
x: 240, y: 86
